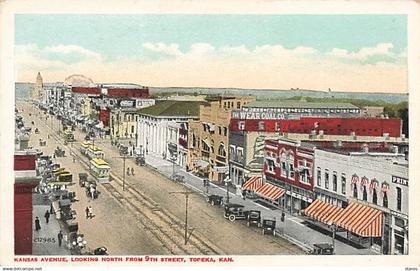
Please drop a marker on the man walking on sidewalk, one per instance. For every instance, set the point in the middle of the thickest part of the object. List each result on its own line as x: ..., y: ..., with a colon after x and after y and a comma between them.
x: 87, y: 212
x: 37, y: 224
x: 47, y: 217
x: 60, y: 238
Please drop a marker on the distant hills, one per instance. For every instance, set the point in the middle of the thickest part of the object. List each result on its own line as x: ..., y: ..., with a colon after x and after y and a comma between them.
x: 23, y: 89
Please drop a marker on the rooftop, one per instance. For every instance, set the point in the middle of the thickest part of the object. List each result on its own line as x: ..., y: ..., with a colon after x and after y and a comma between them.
x: 172, y: 108
x: 121, y: 85
x: 294, y: 104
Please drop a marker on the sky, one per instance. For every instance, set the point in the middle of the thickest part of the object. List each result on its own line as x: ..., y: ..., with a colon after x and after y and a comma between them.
x: 343, y: 52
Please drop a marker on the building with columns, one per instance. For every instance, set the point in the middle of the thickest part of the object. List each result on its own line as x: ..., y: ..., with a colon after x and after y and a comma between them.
x: 153, y: 121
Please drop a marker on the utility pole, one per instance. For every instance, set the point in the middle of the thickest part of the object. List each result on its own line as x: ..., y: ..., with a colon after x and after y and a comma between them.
x: 123, y: 172
x: 186, y: 193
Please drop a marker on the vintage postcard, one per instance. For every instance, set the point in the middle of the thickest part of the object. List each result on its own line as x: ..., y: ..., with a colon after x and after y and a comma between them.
x: 209, y: 133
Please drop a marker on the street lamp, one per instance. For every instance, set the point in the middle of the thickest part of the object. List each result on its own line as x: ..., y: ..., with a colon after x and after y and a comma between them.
x: 227, y: 180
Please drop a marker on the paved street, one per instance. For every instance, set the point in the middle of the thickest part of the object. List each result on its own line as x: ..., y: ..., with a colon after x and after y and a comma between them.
x: 114, y: 228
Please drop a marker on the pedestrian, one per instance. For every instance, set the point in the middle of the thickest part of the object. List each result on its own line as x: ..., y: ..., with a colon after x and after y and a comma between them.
x: 47, y: 216
x: 51, y: 208
x: 92, y: 192
x: 37, y: 224
x: 243, y: 194
x: 87, y: 212
x: 60, y: 238
x: 132, y: 171
x: 90, y: 212
x: 128, y: 171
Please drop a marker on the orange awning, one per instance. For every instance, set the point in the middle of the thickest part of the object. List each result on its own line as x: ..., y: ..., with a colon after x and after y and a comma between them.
x: 253, y: 183
x: 357, y: 218
x: 270, y: 191
x: 322, y: 211
x: 361, y: 220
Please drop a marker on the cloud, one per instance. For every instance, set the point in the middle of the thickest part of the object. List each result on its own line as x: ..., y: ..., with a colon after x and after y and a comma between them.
x: 170, y: 49
x: 202, y: 64
x: 381, y: 49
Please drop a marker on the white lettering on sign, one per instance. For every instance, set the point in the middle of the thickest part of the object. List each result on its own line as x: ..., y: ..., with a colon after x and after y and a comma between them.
x: 269, y: 115
x: 127, y: 103
x: 399, y: 180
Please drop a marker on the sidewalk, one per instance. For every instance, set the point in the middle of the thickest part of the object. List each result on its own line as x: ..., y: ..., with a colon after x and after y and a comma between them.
x: 45, y: 240
x: 293, y: 228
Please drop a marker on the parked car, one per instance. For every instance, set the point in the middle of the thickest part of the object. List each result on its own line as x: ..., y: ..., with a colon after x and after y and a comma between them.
x: 269, y: 226
x: 254, y: 218
x: 323, y: 249
x: 235, y: 211
x: 215, y: 199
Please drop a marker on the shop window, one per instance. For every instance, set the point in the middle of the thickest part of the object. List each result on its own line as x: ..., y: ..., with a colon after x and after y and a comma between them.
x: 318, y: 176
x: 364, y: 193
x: 385, y: 200
x: 354, y: 191
x: 327, y: 179
x: 335, y: 181
x: 374, y: 197
x: 343, y: 184
x: 399, y: 198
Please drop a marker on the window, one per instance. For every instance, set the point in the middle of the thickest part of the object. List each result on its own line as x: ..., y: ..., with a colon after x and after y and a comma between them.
x: 220, y: 130
x: 270, y: 165
x: 327, y: 179
x: 355, y: 191
x: 335, y: 181
x: 364, y: 193
x: 291, y: 171
x: 261, y: 125
x: 132, y: 129
x: 238, y: 105
x: 374, y: 197
x: 194, y: 141
x: 399, y: 198
x: 221, y: 150
x: 318, y: 176
x: 385, y: 200
x: 343, y: 184
x: 241, y: 125
x: 277, y: 126
x: 225, y: 130
x: 231, y: 150
x: 204, y: 127
x: 240, y: 153
x: 283, y: 168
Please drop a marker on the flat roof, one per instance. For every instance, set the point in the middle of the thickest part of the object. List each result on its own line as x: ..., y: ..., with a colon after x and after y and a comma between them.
x: 172, y: 108
x: 294, y: 104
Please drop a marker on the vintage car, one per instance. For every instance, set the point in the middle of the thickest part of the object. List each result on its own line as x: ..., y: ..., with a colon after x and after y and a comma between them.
x: 269, y: 226
x: 254, y: 218
x: 323, y: 249
x: 100, y: 251
x: 83, y: 178
x: 215, y: 199
x: 235, y: 211
x: 140, y: 161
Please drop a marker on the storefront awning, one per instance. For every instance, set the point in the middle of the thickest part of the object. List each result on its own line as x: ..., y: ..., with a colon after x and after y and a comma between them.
x: 323, y: 212
x: 356, y: 218
x: 270, y: 191
x: 361, y: 220
x: 253, y: 183
x: 202, y: 164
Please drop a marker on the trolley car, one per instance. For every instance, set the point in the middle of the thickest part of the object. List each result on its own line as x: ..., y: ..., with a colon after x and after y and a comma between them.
x: 85, y: 146
x: 68, y: 136
x: 100, y: 169
x: 94, y: 152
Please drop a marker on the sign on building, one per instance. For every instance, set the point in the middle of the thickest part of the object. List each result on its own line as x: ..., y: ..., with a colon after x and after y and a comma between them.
x: 399, y: 180
x: 223, y: 169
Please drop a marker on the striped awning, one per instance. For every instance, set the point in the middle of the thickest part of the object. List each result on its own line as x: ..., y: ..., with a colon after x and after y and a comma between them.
x: 253, y: 183
x: 270, y: 191
x: 322, y: 211
x: 356, y: 218
x: 361, y: 220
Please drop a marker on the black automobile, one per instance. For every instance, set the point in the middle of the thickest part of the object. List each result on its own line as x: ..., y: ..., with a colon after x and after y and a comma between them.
x: 215, y: 199
x: 269, y: 226
x: 235, y: 211
x: 100, y: 251
x: 254, y: 218
x: 323, y: 249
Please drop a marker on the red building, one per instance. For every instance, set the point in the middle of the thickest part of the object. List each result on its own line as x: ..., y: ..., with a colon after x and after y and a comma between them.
x: 86, y: 90
x: 289, y: 164
x: 104, y: 116
x: 25, y: 181
x: 321, y: 125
